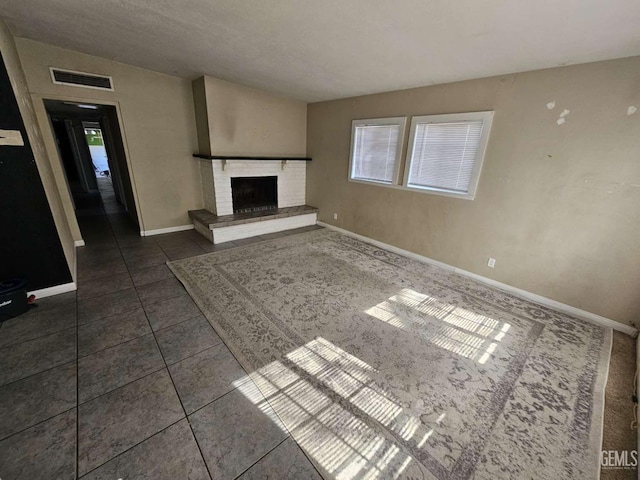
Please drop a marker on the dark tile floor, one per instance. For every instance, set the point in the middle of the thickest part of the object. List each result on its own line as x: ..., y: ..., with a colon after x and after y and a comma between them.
x: 126, y: 379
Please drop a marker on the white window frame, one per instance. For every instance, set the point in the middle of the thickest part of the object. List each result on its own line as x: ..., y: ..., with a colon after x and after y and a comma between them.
x: 402, y: 122
x: 487, y: 119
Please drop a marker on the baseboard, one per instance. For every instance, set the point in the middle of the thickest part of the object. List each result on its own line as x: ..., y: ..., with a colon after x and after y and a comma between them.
x: 547, y: 302
x: 160, y: 231
x: 57, y: 290
x: 79, y: 243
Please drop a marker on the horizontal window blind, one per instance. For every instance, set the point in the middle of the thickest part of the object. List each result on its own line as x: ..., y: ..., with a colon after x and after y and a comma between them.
x: 375, y: 151
x: 444, y: 155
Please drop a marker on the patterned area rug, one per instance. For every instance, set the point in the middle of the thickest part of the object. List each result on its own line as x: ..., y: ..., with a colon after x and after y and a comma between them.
x: 384, y: 367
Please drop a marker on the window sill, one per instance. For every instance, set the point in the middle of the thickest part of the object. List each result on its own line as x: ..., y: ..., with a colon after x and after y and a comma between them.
x: 442, y: 193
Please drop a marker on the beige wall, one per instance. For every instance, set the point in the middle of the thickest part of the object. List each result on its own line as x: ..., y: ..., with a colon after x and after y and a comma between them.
x: 18, y: 81
x: 157, y: 122
x: 558, y: 206
x: 245, y: 121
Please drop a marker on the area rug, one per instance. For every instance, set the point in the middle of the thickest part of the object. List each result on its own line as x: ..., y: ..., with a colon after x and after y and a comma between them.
x: 384, y: 367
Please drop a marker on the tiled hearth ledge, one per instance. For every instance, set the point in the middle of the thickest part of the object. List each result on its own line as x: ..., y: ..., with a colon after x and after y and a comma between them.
x: 225, y: 228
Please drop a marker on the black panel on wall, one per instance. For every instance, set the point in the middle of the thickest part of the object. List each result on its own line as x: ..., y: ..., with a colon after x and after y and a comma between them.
x: 29, y: 244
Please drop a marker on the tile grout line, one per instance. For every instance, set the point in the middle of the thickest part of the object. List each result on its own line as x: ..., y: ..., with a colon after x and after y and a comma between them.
x: 211, y: 402
x: 38, y: 338
x: 216, y: 399
x: 77, y: 393
x: 76, y: 301
x: 37, y: 373
x: 38, y: 423
x: 77, y: 366
x: 109, y: 316
x: 149, y: 373
x: 289, y: 434
x: 120, y: 386
x: 82, y: 357
x: 254, y: 463
x: 194, y: 354
x: 222, y: 342
x: 266, y: 399
x: 180, y: 323
x: 84, y: 299
x: 137, y: 307
x: 134, y: 446
x: 186, y: 416
x: 172, y: 383
x: 100, y: 276
x: 184, y: 247
x: 286, y: 234
x: 108, y: 221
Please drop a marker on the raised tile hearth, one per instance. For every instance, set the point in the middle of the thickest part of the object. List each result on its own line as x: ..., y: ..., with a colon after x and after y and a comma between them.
x: 225, y: 228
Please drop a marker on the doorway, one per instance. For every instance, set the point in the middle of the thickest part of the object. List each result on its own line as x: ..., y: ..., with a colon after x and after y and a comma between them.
x: 93, y: 158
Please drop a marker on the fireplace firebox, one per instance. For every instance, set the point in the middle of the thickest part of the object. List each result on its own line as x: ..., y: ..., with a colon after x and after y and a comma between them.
x: 252, y: 194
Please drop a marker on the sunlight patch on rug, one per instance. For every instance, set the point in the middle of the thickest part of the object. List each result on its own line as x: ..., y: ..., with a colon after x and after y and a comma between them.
x: 467, y: 336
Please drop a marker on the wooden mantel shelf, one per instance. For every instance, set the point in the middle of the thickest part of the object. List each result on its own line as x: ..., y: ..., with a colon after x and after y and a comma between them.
x: 249, y: 157
x: 225, y: 158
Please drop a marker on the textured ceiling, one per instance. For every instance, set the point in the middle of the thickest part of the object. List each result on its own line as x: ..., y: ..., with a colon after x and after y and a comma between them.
x: 324, y: 49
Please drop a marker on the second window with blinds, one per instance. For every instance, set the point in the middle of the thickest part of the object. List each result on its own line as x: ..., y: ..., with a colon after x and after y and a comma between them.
x: 444, y: 155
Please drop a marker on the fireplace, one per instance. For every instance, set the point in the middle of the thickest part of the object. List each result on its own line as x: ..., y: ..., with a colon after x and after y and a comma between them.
x: 270, y: 193
x: 252, y: 194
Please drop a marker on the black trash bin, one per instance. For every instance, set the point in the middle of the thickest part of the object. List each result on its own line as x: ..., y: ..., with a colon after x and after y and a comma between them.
x: 13, y: 298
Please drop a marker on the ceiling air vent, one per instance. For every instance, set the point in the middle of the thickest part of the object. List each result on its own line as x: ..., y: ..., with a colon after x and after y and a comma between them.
x: 81, y: 79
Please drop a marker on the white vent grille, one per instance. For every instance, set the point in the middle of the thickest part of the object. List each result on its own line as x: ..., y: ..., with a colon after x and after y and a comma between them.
x: 81, y: 79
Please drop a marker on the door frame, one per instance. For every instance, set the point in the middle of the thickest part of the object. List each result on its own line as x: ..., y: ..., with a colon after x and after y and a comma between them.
x: 56, y: 162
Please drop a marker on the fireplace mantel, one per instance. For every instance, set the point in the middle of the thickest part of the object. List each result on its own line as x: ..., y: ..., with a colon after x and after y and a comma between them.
x: 249, y: 157
x: 225, y: 158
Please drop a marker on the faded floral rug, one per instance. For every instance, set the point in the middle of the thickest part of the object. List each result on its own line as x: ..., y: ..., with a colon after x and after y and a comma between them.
x: 383, y: 367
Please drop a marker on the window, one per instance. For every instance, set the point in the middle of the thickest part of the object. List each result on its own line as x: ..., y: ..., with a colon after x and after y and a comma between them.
x: 446, y: 151
x: 376, y: 145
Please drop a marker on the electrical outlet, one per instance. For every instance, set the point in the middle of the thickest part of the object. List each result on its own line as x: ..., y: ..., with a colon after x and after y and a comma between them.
x: 491, y: 263
x: 335, y: 216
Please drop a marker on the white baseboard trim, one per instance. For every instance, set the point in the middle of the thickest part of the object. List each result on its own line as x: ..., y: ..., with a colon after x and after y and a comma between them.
x: 79, y: 243
x: 56, y: 290
x: 547, y: 302
x: 160, y: 231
